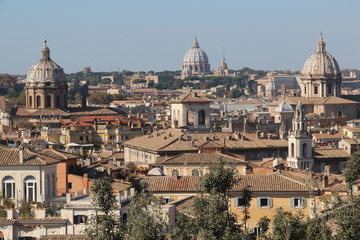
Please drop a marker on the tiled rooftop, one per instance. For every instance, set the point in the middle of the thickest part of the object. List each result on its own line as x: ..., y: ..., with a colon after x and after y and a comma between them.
x: 201, y: 158
x: 257, y: 183
x: 10, y: 157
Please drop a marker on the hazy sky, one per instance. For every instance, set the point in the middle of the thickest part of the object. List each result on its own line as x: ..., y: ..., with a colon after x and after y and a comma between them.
x: 155, y: 34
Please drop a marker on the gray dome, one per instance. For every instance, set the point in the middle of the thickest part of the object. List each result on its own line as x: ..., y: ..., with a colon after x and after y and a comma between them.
x: 195, y: 54
x: 284, y: 107
x: 155, y: 172
x: 46, y: 70
x: 321, y: 64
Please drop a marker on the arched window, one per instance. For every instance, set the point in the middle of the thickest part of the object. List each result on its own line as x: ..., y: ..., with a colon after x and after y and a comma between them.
x: 8, y: 187
x: 202, y: 117
x: 30, y: 102
x: 304, y: 90
x: 2, y: 237
x: 48, y: 101
x: 47, y: 188
x: 304, y: 149
x: 175, y: 173
x: 53, y: 183
x: 195, y: 172
x: 38, y: 101
x: 30, y: 189
x: 292, y: 150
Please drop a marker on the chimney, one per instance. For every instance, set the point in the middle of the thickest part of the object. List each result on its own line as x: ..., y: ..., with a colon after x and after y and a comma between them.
x: 327, y: 170
x: 325, y: 181
x: 21, y: 154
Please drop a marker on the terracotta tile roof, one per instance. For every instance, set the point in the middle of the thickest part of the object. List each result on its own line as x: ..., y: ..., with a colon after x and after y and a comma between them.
x: 34, y: 220
x: 171, y: 184
x: 257, y: 183
x: 94, y: 111
x: 352, y: 129
x: 10, y: 157
x: 65, y: 237
x: 185, y: 206
x: 327, y: 152
x: 351, y: 141
x: 57, y: 154
x: 333, y: 100
x: 201, y: 158
x: 327, y: 136
x: 118, y: 155
x: 40, y: 112
x: 175, y: 140
x: 191, y: 98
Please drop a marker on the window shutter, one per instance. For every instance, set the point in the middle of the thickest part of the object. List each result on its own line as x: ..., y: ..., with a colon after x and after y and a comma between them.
x: 75, y: 220
x: 258, y: 202
x: 270, y: 203
x: 303, y: 202
x: 236, y: 202
x: 292, y: 202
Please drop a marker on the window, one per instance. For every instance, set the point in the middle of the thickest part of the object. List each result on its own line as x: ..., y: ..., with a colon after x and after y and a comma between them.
x: 264, y: 202
x: 38, y: 101
x: 175, y: 173
x: 167, y: 200
x: 202, y: 117
x: 53, y: 183
x: 292, y: 150
x: 298, y: 202
x: 240, y: 202
x: 341, y: 166
x: 254, y: 156
x: 80, y: 219
x: 195, y: 172
x: 69, y: 185
x: 256, y: 231
x: 30, y: 189
x: 304, y: 150
x: 47, y: 188
x: 315, y: 90
x: 81, y: 138
x: 48, y: 101
x: 8, y: 187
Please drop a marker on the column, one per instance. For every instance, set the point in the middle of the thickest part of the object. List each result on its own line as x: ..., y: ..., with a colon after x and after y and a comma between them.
x: 196, y: 119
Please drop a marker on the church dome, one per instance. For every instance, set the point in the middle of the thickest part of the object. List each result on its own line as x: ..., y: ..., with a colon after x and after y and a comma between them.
x: 195, y: 54
x: 46, y: 70
x: 321, y: 64
x: 284, y: 107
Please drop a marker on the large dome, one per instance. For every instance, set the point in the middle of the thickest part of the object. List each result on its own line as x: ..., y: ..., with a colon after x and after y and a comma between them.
x: 195, y: 54
x: 46, y: 70
x: 321, y: 64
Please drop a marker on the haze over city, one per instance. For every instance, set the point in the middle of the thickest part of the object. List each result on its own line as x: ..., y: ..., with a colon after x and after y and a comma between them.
x: 154, y: 35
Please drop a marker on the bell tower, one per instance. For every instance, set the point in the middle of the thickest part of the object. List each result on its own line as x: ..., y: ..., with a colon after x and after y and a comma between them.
x: 300, y: 142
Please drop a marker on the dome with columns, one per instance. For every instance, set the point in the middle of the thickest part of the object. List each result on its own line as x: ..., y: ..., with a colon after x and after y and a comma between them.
x: 195, y: 54
x: 321, y: 63
x: 195, y: 61
x: 46, y: 70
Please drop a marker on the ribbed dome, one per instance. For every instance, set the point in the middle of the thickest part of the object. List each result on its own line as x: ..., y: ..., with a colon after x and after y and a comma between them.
x: 46, y: 70
x: 284, y: 107
x: 195, y: 54
x: 321, y: 64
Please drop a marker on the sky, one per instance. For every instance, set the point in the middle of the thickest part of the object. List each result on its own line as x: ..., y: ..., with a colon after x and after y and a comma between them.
x: 145, y: 35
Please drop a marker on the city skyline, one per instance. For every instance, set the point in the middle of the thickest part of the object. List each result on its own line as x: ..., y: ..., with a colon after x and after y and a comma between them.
x: 155, y: 36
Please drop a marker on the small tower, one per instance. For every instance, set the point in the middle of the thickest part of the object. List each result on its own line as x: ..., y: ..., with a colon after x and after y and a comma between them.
x: 270, y: 89
x: 299, y: 142
x: 191, y: 111
x: 283, y: 116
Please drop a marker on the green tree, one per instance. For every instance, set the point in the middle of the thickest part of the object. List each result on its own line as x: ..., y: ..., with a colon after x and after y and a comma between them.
x: 146, y: 220
x: 348, y: 219
x: 106, y: 224
x: 214, y: 219
x: 139, y: 80
x: 263, y: 224
x: 351, y: 172
x: 287, y: 226
x: 100, y: 98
